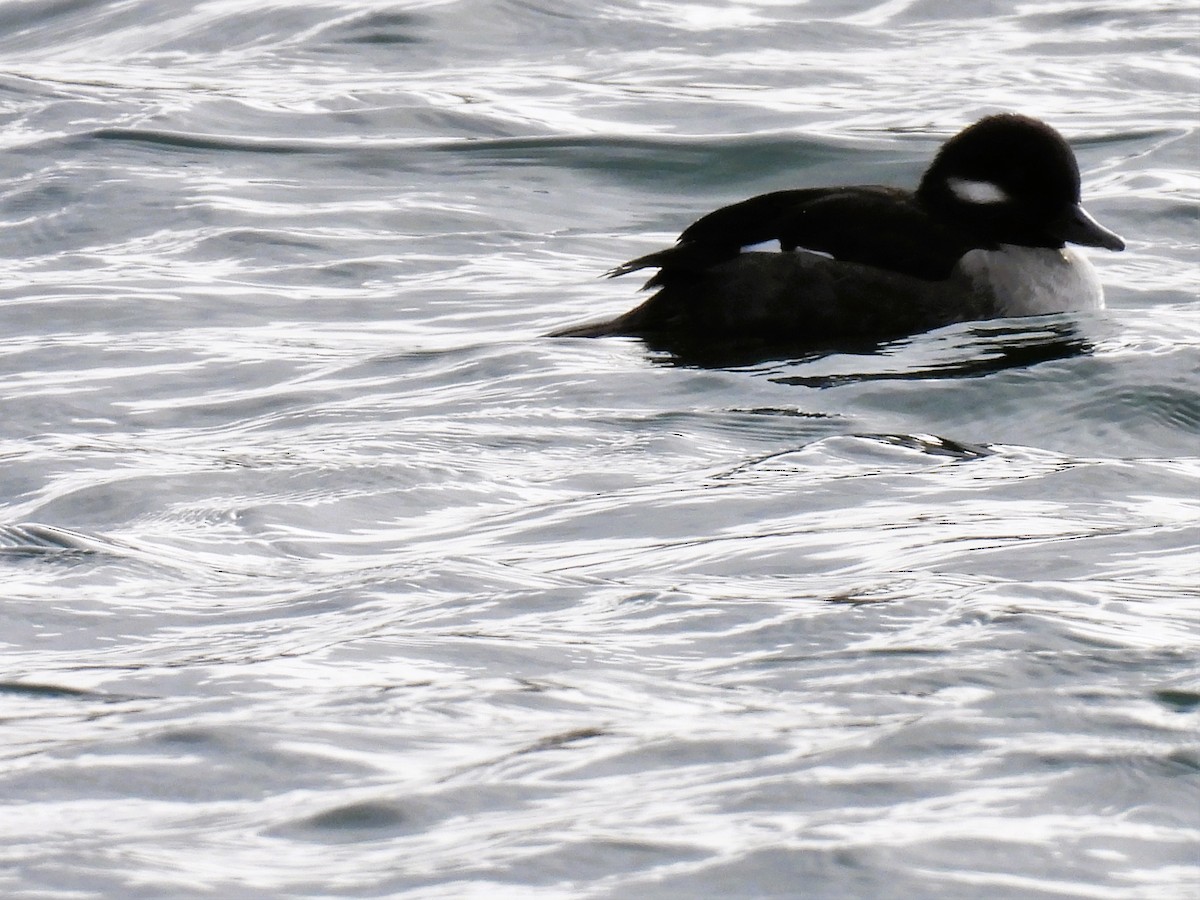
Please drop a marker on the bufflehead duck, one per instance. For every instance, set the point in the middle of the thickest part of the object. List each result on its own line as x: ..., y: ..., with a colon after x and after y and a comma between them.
x: 983, y: 236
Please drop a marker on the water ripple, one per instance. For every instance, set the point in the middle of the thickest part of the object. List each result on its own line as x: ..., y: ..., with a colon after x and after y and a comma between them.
x: 326, y: 573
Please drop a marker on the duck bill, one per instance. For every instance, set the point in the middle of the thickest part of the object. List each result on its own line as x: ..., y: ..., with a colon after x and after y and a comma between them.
x: 1080, y: 228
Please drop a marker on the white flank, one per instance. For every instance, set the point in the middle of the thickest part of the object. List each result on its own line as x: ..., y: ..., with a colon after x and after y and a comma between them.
x: 1032, y: 281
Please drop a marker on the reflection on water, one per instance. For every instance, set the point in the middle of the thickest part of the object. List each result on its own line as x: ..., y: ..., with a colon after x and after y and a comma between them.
x: 970, y: 350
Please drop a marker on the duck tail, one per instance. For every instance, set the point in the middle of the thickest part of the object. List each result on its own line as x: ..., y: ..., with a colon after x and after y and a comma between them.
x: 689, y: 256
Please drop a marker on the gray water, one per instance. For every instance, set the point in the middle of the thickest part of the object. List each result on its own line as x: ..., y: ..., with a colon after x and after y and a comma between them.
x: 325, y: 574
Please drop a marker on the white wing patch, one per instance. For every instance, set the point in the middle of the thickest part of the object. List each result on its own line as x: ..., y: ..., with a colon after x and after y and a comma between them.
x: 771, y: 246
x: 977, y: 191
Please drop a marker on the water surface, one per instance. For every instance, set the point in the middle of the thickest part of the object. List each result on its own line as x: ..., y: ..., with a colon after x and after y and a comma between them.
x: 326, y: 574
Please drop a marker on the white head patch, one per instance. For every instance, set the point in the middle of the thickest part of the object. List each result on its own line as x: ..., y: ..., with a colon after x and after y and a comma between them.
x: 977, y: 191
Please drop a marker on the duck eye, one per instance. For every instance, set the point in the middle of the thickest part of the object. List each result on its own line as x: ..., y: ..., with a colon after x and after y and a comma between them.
x: 1018, y: 177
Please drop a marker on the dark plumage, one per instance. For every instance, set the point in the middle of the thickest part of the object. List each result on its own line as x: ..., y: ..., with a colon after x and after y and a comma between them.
x: 871, y: 262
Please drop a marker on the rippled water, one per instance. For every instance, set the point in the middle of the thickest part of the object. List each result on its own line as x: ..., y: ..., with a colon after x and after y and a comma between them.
x: 325, y: 574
